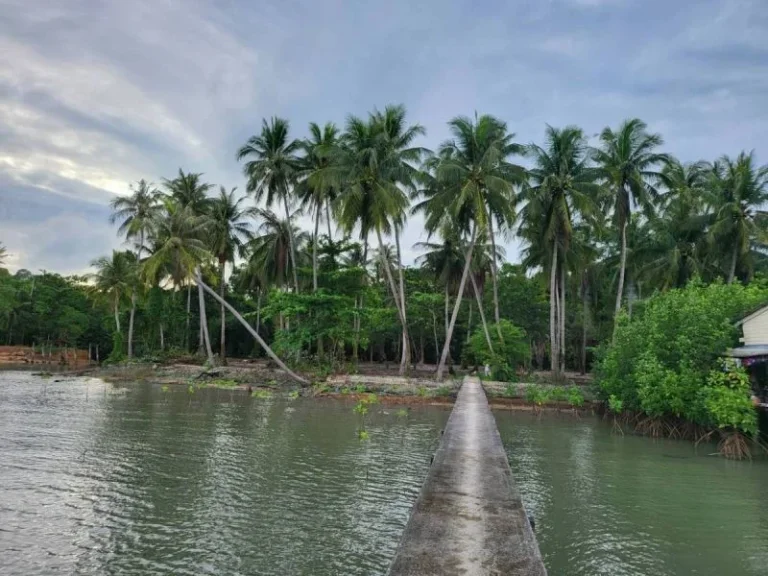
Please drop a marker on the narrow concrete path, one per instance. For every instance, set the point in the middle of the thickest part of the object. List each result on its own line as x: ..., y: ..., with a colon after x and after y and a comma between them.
x: 469, y: 519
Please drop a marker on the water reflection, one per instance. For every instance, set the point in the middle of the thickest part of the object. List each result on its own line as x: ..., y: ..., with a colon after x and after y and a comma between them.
x: 97, y: 480
x: 613, y: 505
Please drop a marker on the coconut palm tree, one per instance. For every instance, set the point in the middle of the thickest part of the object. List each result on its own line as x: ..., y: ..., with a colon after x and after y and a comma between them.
x: 179, y: 248
x: 374, y: 165
x: 190, y: 192
x: 562, y: 188
x: 467, y: 170
x: 115, y: 278
x: 629, y: 161
x: 477, y: 157
x: 137, y: 214
x: 673, y: 247
x: 269, y: 250
x: 230, y: 231
x: 3, y: 254
x: 738, y: 188
x: 272, y: 167
x: 315, y: 188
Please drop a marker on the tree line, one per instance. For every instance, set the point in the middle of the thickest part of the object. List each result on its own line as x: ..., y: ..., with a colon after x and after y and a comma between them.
x: 602, y: 226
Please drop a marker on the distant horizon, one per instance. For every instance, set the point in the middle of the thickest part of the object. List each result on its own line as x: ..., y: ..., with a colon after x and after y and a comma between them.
x: 96, y: 96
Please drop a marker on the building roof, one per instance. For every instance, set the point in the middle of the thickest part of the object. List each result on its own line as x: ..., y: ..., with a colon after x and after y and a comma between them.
x: 759, y: 312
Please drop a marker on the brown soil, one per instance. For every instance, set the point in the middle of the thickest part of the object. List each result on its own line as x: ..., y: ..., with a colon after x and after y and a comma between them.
x: 26, y: 355
x: 392, y: 399
x: 497, y: 403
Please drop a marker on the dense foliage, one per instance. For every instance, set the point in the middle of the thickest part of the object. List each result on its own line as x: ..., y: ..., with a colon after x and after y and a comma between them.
x: 667, y: 361
x: 601, y: 229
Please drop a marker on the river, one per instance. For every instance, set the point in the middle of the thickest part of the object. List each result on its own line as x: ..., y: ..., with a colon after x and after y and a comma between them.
x: 606, y: 504
x: 101, y: 480
x: 97, y: 479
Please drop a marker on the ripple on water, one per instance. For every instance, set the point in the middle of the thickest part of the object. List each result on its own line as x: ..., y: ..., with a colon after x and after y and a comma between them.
x: 143, y: 482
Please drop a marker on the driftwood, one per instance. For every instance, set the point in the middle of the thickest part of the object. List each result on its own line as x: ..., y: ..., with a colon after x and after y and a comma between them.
x: 250, y: 329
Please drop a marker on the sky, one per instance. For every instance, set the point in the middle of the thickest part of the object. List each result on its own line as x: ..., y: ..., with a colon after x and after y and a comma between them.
x: 95, y: 95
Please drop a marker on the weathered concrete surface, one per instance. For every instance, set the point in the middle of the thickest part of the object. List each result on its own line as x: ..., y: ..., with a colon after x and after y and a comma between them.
x: 469, y: 519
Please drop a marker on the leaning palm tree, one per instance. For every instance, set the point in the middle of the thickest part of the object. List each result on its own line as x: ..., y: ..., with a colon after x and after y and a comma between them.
x: 468, y: 169
x: 179, y: 249
x: 628, y: 161
x: 114, y: 279
x: 271, y: 168
x: 230, y: 230
x: 477, y: 157
x: 562, y: 189
x: 315, y: 188
x: 738, y: 190
x: 137, y: 214
x: 373, y: 165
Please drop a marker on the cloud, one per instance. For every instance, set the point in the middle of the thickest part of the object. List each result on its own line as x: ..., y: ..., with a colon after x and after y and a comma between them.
x: 96, y: 94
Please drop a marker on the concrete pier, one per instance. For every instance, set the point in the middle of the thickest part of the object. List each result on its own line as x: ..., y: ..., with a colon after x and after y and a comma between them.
x: 469, y: 519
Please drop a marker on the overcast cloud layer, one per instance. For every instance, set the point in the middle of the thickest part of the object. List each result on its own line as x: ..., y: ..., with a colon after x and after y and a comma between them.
x: 96, y: 94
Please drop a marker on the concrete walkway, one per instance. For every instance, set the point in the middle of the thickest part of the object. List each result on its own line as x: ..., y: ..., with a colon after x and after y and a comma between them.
x: 469, y: 519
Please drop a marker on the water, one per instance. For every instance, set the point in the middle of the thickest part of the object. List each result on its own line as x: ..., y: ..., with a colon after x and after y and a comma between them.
x: 611, y: 505
x: 100, y: 480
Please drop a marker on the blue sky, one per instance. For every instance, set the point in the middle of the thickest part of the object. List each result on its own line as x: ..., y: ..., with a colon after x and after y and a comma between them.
x: 95, y: 94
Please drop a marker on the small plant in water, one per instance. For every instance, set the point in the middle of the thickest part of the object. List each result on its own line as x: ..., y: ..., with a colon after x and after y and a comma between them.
x: 360, y: 389
x: 164, y: 389
x: 345, y: 390
x: 293, y: 394
x: 191, y: 389
x: 575, y: 397
x: 362, y: 435
x: 402, y: 413
x: 261, y: 394
x: 361, y: 408
x: 616, y: 406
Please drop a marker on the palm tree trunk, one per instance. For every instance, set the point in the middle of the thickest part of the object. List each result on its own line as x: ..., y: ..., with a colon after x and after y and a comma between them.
x: 562, y: 317
x: 734, y: 259
x: 314, y: 250
x: 622, y: 269
x: 162, y: 337
x: 356, y: 328
x: 222, y: 288
x: 554, y: 352
x: 393, y: 288
x: 434, y: 333
x: 405, y: 361
x: 482, y: 312
x: 258, y: 310
x: 253, y: 332
x: 585, y: 316
x: 457, y: 305
x: 204, y: 320
x: 292, y: 243
x: 494, y: 279
x: 328, y: 218
x: 130, y: 324
x: 189, y: 306
x: 117, y: 312
x: 320, y: 351
x: 469, y: 322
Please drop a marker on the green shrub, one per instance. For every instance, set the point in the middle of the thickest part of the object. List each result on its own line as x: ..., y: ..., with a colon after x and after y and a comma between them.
x: 513, y: 352
x: 665, y: 362
x: 575, y: 397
